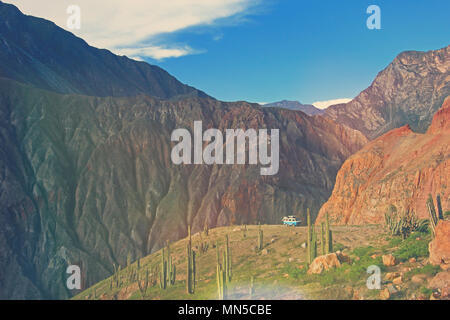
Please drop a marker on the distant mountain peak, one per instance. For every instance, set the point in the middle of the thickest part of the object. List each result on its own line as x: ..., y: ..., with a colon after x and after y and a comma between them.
x: 309, y: 109
x: 408, y: 91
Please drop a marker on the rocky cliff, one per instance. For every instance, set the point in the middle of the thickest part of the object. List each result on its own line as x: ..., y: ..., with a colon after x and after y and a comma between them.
x: 399, y: 168
x: 408, y: 92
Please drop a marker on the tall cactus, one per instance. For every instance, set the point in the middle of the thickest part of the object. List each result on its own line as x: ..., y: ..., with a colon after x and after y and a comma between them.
x: 221, y: 278
x: 163, y: 272
x: 311, y: 240
x: 227, y: 260
x: 206, y: 229
x: 171, y: 268
x: 190, y: 267
x: 328, y: 236
x: 322, y: 239
x: 314, y: 243
x: 260, y: 238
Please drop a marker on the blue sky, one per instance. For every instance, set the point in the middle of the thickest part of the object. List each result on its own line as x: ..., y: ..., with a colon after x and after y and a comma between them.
x: 256, y: 50
x: 309, y: 50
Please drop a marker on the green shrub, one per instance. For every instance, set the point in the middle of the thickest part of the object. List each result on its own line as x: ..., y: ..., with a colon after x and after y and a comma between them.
x: 412, y: 248
x: 294, y: 271
x: 404, y: 224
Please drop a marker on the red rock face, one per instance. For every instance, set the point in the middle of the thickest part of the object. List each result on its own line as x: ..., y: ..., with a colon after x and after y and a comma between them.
x: 441, y: 121
x: 400, y: 168
x: 440, y: 247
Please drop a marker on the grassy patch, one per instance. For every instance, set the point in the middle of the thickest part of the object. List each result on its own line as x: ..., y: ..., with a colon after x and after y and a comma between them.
x: 412, y: 247
x: 394, y: 242
x: 429, y: 270
x: 364, y: 251
x: 426, y: 291
x: 338, y: 247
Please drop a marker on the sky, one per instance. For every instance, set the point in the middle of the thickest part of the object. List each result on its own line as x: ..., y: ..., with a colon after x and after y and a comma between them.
x: 258, y: 50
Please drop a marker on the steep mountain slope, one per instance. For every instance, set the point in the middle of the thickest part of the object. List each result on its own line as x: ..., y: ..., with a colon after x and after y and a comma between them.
x: 400, y: 168
x: 89, y: 180
x: 409, y: 91
x: 37, y: 52
x: 309, y: 109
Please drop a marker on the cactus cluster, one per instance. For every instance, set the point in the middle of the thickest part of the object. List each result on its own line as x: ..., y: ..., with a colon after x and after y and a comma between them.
x: 204, y: 245
x: 326, y: 238
x: 116, y: 279
x: 434, y: 216
x: 167, y: 274
x: 403, y: 224
x: 223, y: 270
x: 190, y: 265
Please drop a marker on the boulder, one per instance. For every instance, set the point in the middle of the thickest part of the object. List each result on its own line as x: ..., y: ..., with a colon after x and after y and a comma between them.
x: 445, y: 292
x: 392, y: 289
x: 392, y: 275
x: 385, y: 294
x: 323, y: 263
x: 389, y: 260
x: 397, y: 280
x: 440, y: 281
x: 440, y: 246
x: 418, y: 278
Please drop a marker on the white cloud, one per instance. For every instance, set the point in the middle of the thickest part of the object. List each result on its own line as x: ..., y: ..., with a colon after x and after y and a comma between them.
x: 156, y: 52
x: 121, y: 25
x: 327, y: 103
